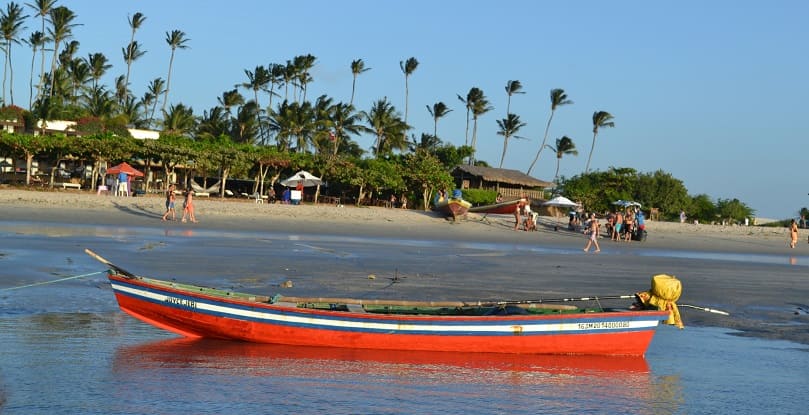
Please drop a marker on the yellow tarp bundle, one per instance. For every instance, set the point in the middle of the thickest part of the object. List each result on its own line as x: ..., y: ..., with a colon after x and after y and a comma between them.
x: 666, y: 290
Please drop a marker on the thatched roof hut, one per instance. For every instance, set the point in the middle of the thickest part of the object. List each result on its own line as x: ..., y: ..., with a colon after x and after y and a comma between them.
x: 507, y: 182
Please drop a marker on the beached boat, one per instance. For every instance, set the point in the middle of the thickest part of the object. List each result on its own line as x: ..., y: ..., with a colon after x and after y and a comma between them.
x: 452, y: 207
x: 502, y: 208
x: 526, y: 327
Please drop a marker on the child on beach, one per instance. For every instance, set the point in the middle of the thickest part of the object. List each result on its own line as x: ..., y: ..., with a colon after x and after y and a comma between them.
x: 170, y: 198
x: 188, y: 206
x: 592, y: 230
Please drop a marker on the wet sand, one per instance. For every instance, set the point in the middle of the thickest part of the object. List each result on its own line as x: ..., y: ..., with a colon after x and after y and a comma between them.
x: 749, y: 271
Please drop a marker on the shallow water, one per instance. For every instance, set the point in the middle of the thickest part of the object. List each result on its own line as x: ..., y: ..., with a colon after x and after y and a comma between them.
x: 108, y: 363
x: 67, y: 349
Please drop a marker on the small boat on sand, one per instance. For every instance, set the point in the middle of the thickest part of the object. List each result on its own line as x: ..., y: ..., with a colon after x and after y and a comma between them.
x: 521, y: 327
x: 452, y: 206
x: 502, y: 208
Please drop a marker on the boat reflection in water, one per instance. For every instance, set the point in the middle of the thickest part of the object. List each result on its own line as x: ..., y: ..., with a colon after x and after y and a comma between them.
x: 272, y: 360
x: 339, y: 380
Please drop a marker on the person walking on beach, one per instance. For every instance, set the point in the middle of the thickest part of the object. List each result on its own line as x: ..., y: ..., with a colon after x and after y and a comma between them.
x: 188, y: 206
x: 170, y: 198
x: 592, y: 230
x: 793, y: 234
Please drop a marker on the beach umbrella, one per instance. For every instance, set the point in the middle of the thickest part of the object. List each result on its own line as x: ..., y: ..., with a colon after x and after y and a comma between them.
x: 309, y: 180
x: 626, y: 203
x: 125, y: 168
x: 560, y: 202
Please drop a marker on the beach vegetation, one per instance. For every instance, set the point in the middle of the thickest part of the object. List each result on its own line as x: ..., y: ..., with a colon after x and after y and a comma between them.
x: 480, y: 196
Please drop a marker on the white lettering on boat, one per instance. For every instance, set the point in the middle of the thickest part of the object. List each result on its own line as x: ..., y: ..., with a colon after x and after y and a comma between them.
x: 181, y: 302
x: 604, y: 325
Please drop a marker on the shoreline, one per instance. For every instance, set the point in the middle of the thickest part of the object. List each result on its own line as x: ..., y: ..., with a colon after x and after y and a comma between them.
x: 748, y: 271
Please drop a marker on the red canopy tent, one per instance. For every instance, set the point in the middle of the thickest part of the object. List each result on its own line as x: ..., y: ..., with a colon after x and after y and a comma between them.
x: 126, y: 168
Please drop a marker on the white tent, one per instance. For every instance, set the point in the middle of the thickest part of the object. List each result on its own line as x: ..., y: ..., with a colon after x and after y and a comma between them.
x: 309, y: 180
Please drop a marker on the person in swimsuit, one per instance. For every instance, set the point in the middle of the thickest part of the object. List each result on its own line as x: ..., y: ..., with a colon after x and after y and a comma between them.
x: 592, y: 231
x: 793, y: 234
x: 170, y: 198
x: 188, y: 206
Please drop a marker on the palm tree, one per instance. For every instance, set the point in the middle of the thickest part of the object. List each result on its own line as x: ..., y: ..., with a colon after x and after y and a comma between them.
x: 303, y: 65
x: 61, y: 29
x: 176, y: 40
x: 600, y: 119
x: 36, y: 41
x: 276, y: 71
x: 230, y: 99
x: 293, y: 121
x: 156, y: 89
x: 357, y: 67
x: 179, y: 120
x: 257, y: 81
x: 98, y: 66
x: 558, y: 98
x: 408, y: 67
x: 564, y: 146
x: 512, y: 87
x: 473, y: 95
x: 480, y: 106
x: 345, y: 119
x: 437, y: 111
x: 131, y: 53
x: 11, y: 21
x: 384, y: 121
x: 509, y: 127
x: 43, y: 9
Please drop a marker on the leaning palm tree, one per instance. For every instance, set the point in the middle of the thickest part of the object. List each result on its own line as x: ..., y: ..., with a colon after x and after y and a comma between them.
x: 135, y: 22
x: 408, y: 67
x: 43, y: 9
x: 509, y: 127
x: 131, y: 53
x: 512, y: 87
x: 176, y: 40
x: 558, y: 98
x: 357, y: 67
x: 473, y: 95
x: 437, y: 111
x: 564, y: 146
x: 61, y: 19
x: 600, y: 119
x: 480, y: 106
x: 36, y: 41
x: 230, y: 99
x: 156, y: 88
x: 11, y: 23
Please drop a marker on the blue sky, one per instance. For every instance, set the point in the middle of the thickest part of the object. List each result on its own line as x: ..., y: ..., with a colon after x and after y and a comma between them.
x: 711, y: 92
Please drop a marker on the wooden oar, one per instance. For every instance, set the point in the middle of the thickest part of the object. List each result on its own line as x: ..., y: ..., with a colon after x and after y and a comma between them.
x: 118, y: 269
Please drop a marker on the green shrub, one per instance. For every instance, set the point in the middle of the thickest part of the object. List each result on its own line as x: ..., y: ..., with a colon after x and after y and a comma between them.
x: 479, y: 196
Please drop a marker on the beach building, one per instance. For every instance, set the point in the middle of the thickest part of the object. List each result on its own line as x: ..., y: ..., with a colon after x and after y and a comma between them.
x: 509, y: 183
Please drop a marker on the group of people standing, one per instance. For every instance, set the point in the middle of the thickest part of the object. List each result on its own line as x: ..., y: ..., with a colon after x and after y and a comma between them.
x: 188, y: 205
x: 624, y: 225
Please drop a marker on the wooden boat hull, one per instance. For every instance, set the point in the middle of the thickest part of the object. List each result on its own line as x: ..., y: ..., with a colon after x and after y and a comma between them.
x: 204, y: 313
x: 503, y: 208
x: 453, y: 207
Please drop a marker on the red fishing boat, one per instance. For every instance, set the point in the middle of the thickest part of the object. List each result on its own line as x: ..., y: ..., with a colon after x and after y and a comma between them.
x: 525, y: 327
x: 502, y: 208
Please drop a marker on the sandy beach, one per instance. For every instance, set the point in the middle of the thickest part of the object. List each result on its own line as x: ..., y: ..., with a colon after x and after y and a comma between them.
x: 749, y: 271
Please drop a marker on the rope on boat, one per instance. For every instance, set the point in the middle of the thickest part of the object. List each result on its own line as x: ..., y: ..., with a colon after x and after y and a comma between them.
x: 51, y: 282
